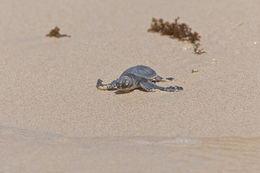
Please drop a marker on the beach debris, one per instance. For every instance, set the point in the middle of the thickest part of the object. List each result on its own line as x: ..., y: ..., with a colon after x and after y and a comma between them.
x: 56, y: 33
x: 238, y: 25
x: 140, y: 76
x: 180, y: 31
x: 194, y: 70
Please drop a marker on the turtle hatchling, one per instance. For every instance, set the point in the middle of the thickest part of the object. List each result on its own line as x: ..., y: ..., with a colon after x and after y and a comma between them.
x: 140, y: 76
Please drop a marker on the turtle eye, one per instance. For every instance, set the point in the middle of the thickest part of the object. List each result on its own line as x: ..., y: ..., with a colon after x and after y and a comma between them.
x: 126, y: 82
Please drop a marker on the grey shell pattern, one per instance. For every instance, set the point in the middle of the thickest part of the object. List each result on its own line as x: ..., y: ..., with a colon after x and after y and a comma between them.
x: 141, y: 71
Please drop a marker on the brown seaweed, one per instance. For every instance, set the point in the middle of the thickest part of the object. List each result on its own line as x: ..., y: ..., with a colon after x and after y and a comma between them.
x: 56, y: 33
x: 180, y: 31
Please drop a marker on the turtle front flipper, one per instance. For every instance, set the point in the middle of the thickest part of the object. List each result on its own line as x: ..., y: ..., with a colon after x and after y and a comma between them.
x: 150, y: 86
x: 161, y: 79
x: 110, y: 86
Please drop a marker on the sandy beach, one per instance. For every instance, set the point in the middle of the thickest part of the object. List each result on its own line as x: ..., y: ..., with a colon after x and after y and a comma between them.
x: 53, y: 118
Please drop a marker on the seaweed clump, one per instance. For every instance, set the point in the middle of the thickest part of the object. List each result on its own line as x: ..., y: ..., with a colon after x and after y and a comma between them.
x: 56, y: 33
x: 181, y: 31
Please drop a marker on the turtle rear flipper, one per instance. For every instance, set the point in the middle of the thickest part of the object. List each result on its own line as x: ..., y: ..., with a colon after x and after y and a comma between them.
x: 150, y: 86
x: 110, y: 86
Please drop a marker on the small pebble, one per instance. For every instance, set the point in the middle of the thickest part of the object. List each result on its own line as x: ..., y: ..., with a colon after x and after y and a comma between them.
x: 195, y: 70
x: 214, y: 61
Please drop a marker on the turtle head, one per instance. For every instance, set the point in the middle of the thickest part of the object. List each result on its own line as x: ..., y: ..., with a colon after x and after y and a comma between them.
x: 124, y: 83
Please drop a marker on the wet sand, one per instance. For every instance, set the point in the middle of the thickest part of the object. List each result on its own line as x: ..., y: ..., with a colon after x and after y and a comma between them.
x: 27, y: 151
x: 48, y: 88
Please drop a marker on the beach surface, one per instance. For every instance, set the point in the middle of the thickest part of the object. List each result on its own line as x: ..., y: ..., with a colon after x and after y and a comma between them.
x: 53, y: 119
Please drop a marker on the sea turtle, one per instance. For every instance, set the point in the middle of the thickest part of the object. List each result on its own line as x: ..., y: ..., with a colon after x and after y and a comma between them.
x: 139, y: 76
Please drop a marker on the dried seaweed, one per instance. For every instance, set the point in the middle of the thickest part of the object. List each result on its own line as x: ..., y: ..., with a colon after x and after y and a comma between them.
x: 181, y: 31
x: 56, y: 33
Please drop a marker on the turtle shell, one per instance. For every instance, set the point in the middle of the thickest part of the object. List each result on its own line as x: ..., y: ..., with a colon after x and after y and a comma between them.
x: 140, y: 71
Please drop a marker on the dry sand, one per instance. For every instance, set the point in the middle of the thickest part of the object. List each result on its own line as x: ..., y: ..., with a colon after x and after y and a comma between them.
x: 53, y: 119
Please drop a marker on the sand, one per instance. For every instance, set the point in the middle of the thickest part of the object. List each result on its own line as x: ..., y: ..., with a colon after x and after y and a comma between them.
x: 48, y: 87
